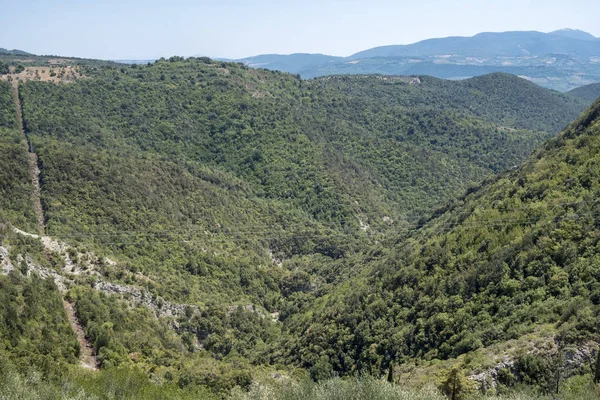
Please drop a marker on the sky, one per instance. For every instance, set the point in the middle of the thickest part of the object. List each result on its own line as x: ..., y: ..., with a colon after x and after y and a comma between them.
x: 149, y: 29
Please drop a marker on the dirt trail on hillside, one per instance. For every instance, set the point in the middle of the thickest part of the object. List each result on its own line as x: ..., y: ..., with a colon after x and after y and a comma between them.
x: 87, y: 357
x: 86, y: 351
x: 32, y: 159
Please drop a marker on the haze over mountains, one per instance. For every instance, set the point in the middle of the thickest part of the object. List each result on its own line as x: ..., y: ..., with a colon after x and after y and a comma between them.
x: 560, y: 60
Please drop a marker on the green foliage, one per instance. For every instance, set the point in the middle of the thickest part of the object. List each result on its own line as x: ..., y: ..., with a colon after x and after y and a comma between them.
x: 597, y: 369
x: 506, y: 377
x: 169, y: 350
x: 361, y: 388
x: 369, y: 388
x: 261, y: 161
x: 322, y: 370
x: 455, y: 384
x: 520, y: 251
x: 193, y: 172
x: 318, y: 145
x: 114, y: 383
x: 588, y: 92
x: 15, y: 187
x: 121, y: 335
x: 3, y: 68
x: 293, y: 219
x: 504, y: 99
x: 16, y: 57
x: 33, y: 327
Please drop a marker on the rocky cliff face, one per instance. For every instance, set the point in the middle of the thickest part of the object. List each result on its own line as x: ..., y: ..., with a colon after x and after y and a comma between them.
x: 568, y: 360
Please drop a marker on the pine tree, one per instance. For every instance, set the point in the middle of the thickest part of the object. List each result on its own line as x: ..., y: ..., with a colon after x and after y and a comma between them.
x: 454, y: 386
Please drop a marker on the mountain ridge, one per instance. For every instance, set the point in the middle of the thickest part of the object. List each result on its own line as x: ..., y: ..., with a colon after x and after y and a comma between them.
x: 574, y: 33
x: 588, y: 93
x: 13, y: 52
x: 511, y: 43
x: 560, y: 60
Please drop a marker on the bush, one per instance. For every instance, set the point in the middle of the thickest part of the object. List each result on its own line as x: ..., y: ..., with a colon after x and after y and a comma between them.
x: 364, y: 387
x: 3, y: 68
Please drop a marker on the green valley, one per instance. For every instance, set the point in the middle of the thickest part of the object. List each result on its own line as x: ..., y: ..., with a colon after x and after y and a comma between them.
x: 517, y: 253
x: 221, y: 230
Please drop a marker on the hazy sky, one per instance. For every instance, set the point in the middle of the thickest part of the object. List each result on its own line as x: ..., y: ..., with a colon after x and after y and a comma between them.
x: 142, y: 29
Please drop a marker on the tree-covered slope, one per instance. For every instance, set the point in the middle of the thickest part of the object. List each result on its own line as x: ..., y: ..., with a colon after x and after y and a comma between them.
x: 292, y: 140
x: 15, y: 187
x: 587, y: 93
x: 518, y: 252
x: 503, y: 99
x: 554, y: 71
x: 34, y: 329
x: 34, y: 332
x: 204, y: 175
x: 243, y: 198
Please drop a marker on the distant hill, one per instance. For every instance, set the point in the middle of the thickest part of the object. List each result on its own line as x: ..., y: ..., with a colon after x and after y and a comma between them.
x: 20, y: 57
x: 587, y: 92
x: 574, y: 34
x: 491, y: 44
x: 13, y: 52
x: 293, y: 63
x: 560, y: 60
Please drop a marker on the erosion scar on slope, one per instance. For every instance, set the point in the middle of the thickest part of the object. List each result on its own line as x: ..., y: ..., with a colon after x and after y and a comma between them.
x: 86, y: 351
x: 32, y: 159
x: 87, y: 356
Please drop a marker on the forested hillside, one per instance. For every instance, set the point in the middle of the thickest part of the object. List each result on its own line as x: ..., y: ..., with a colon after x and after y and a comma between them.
x: 197, y: 171
x: 15, y: 188
x: 519, y: 252
x: 587, y: 92
x: 261, y: 126
x: 215, y: 224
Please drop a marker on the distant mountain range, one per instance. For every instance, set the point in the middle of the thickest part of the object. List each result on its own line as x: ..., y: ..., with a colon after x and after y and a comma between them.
x: 561, y: 60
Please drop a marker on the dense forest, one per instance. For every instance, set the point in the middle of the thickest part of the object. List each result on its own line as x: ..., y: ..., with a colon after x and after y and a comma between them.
x: 587, y: 92
x: 15, y: 189
x: 517, y: 253
x: 260, y: 227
